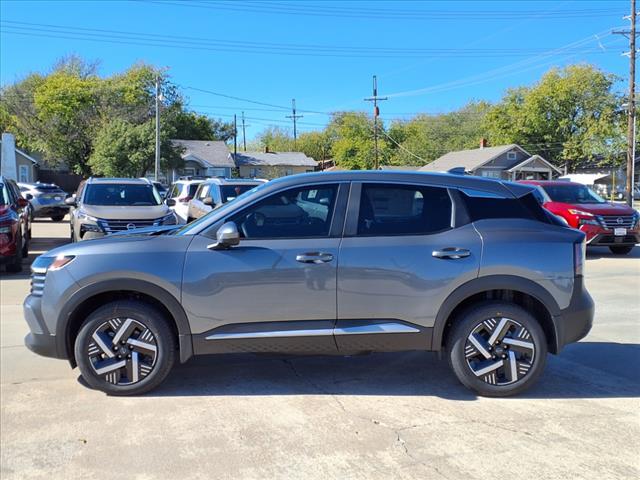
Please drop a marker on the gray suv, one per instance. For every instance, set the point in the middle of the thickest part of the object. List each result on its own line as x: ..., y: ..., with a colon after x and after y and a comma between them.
x: 109, y: 205
x: 324, y: 263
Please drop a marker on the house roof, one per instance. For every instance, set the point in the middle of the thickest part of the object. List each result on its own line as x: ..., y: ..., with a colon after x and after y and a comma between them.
x: 24, y: 154
x: 210, y: 153
x: 272, y: 159
x: 469, y: 159
x: 400, y: 168
x: 534, y: 158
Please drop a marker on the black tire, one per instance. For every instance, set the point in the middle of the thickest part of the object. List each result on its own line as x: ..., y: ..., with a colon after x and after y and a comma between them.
x: 151, y: 327
x: 527, y: 363
x: 25, y: 245
x: 16, y: 264
x: 57, y: 218
x: 621, y: 250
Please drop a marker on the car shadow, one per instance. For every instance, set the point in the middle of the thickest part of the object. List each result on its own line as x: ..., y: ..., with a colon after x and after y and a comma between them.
x: 595, y: 253
x: 582, y: 370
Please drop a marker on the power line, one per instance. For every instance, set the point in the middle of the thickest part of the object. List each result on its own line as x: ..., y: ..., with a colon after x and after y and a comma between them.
x: 376, y: 113
x: 339, y: 11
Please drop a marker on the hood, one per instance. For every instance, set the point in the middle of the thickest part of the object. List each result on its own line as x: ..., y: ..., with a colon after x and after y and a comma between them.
x: 109, y: 212
x: 149, y: 231
x: 596, y: 208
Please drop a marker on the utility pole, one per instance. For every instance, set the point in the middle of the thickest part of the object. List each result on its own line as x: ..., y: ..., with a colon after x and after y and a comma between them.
x: 294, y: 117
x: 376, y: 113
x: 631, y: 119
x: 157, y: 163
x: 244, y: 134
x: 235, y: 137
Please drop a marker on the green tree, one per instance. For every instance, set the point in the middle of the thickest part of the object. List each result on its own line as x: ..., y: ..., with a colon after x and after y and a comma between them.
x: 570, y: 115
x: 352, y: 144
x: 193, y: 126
x: 123, y: 149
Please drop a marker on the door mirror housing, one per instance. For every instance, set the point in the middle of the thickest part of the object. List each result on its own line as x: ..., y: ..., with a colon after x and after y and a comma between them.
x: 209, y: 201
x: 71, y: 201
x: 170, y: 202
x: 227, y: 236
x: 28, y: 196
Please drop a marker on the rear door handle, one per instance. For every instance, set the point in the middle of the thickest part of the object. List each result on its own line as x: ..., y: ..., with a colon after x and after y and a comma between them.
x: 314, y: 257
x: 452, y: 253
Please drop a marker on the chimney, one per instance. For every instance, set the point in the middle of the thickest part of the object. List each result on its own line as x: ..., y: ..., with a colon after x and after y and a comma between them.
x: 266, y: 149
x: 483, y: 142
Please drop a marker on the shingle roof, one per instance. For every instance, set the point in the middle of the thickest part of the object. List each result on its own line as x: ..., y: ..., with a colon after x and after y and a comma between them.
x: 213, y: 153
x: 469, y: 159
x: 291, y: 159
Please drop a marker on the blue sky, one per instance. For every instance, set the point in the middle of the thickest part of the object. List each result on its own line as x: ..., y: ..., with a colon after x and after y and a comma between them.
x: 428, y: 56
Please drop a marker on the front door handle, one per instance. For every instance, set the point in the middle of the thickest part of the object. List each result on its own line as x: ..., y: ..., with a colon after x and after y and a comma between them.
x: 453, y: 253
x: 314, y: 257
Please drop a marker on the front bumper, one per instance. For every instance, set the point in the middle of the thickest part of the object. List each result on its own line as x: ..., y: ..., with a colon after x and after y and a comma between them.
x: 575, y: 322
x: 39, y: 340
x: 599, y: 236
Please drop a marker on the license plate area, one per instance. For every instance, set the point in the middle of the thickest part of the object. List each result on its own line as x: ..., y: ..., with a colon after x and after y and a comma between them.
x: 619, y: 232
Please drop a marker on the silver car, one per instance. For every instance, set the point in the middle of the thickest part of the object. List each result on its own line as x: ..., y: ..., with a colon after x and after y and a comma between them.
x: 324, y: 263
x: 47, y: 200
x: 109, y: 205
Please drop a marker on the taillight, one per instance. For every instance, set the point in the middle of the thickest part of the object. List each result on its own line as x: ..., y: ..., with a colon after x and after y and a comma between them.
x: 184, y: 199
x: 579, y: 257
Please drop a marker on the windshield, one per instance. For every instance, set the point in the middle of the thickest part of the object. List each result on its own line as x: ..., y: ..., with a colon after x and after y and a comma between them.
x: 569, y: 193
x: 230, y: 192
x: 125, y: 194
x: 218, y: 211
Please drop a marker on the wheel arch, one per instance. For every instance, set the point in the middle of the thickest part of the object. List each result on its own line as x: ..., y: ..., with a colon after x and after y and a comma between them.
x: 518, y: 290
x: 90, y: 298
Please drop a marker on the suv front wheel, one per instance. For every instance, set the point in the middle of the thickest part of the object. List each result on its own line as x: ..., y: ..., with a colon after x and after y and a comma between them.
x: 497, y: 349
x: 125, y: 348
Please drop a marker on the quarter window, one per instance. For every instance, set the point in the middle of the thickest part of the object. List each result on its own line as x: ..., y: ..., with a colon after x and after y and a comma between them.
x: 403, y: 210
x: 294, y: 213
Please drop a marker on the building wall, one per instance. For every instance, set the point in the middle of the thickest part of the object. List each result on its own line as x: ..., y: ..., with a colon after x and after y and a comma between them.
x: 27, y: 171
x: 508, y: 159
x: 248, y: 171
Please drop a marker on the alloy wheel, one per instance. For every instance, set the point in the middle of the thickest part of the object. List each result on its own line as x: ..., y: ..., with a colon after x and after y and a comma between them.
x: 122, y: 351
x: 500, y: 351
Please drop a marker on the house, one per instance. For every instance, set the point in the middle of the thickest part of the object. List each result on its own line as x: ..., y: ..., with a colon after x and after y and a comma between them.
x: 206, y: 158
x: 508, y: 162
x: 608, y: 180
x: 273, y: 164
x: 16, y: 163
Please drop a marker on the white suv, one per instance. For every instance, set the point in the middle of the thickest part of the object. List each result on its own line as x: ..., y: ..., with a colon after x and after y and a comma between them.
x: 182, y: 191
x: 216, y: 191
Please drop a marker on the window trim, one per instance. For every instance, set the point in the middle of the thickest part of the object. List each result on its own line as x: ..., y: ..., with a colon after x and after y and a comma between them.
x: 336, y: 228
x: 353, y: 209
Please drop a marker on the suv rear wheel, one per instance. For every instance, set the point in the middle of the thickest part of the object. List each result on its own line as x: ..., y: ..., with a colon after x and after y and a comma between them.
x: 497, y: 349
x: 125, y: 348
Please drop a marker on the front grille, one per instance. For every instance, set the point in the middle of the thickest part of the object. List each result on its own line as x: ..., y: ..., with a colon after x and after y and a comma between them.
x: 617, y: 221
x: 112, y: 226
x: 37, y: 283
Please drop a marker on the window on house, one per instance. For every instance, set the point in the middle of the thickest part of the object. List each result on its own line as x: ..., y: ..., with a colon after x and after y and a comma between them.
x: 403, y: 210
x: 491, y: 173
x: 511, y: 155
x: 23, y: 173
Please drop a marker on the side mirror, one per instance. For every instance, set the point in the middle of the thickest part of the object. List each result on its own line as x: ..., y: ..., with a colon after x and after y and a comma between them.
x: 170, y: 202
x: 28, y: 196
x: 227, y: 236
x: 22, y: 202
x: 208, y: 201
x: 71, y: 201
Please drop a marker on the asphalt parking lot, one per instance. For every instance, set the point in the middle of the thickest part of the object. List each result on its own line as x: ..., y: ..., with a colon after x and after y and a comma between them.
x: 377, y: 416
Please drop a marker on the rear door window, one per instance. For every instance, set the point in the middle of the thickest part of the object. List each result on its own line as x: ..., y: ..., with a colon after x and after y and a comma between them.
x: 403, y: 210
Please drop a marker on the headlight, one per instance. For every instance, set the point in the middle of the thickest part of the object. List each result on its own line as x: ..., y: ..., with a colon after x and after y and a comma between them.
x: 83, y: 216
x: 582, y: 213
x: 43, y: 264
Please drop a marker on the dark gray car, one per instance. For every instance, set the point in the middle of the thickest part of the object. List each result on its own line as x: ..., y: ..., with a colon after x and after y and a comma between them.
x: 326, y: 263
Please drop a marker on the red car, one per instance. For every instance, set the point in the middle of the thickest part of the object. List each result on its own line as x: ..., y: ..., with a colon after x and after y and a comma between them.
x: 15, y: 230
x: 613, y: 225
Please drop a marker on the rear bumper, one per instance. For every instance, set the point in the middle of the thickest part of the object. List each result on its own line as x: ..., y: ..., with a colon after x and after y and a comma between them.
x: 574, y: 322
x: 50, y: 211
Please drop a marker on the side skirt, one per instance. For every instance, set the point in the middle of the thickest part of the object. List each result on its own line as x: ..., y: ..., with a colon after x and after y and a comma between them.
x: 316, y: 337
